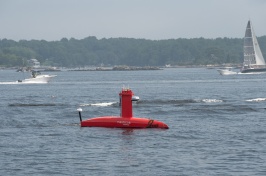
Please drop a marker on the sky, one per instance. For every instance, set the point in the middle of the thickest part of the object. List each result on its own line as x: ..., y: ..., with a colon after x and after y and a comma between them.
x: 52, y: 20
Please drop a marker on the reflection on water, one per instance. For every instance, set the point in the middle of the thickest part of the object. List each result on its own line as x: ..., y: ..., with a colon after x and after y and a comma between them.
x: 128, y: 131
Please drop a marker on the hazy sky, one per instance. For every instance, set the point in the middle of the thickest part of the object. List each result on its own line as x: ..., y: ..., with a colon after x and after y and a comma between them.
x: 148, y: 19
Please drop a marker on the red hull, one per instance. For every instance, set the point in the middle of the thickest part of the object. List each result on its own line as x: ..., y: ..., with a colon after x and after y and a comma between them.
x: 120, y: 122
x: 126, y: 120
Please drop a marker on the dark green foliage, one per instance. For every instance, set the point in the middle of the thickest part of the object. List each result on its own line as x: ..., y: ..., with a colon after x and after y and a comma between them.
x: 125, y: 51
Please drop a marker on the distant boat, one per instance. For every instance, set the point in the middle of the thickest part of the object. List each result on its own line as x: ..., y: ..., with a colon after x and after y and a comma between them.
x: 227, y: 71
x: 37, y: 77
x: 135, y: 98
x: 253, y: 58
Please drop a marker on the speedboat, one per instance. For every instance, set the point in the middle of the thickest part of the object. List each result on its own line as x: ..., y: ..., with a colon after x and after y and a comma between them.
x: 37, y: 77
x: 227, y: 71
x: 135, y: 98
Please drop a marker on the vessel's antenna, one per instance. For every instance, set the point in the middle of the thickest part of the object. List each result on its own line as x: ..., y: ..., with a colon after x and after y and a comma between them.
x: 80, y: 110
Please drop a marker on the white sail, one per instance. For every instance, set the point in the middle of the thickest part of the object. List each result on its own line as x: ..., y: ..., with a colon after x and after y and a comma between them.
x: 252, y: 52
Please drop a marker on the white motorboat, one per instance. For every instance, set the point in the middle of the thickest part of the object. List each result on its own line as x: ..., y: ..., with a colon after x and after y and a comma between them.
x: 135, y: 98
x: 227, y: 71
x: 37, y: 77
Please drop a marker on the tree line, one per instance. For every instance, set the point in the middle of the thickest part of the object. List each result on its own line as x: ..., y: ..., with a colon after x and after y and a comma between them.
x: 91, y: 51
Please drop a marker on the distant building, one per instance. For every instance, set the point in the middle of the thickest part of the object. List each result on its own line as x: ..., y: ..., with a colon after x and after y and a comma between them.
x: 34, y: 63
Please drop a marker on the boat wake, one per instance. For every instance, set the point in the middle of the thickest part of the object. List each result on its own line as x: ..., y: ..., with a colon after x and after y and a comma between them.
x: 256, y: 100
x: 180, y: 102
x: 16, y: 82
x: 164, y: 102
x: 168, y: 102
x: 100, y: 104
x: 212, y: 101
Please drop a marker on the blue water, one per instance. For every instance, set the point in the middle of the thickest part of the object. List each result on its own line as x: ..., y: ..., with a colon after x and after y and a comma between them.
x: 217, y: 124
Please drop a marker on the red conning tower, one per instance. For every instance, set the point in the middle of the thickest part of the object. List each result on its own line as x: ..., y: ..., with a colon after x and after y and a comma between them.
x: 126, y: 119
x: 126, y: 103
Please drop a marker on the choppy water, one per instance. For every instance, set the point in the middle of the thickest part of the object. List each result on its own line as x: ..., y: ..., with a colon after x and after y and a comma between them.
x: 217, y: 124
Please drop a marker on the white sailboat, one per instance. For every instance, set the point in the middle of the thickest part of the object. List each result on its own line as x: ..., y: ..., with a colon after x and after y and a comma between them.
x: 253, y: 58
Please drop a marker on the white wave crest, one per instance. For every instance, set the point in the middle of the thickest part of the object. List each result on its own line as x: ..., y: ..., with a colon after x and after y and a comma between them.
x: 32, y: 82
x: 256, y: 99
x: 212, y: 101
x: 99, y: 104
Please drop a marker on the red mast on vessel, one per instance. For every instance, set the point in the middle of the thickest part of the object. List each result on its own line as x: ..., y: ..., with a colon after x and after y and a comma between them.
x: 125, y: 120
x: 126, y: 103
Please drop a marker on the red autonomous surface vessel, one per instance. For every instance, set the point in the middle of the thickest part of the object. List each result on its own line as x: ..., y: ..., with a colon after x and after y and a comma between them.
x: 125, y: 120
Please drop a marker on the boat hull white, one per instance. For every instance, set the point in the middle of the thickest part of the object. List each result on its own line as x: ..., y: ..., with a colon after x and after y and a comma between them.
x: 226, y: 72
x: 135, y: 98
x: 38, y: 79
